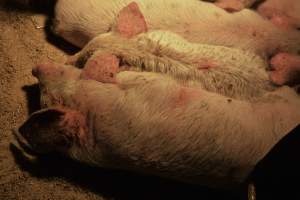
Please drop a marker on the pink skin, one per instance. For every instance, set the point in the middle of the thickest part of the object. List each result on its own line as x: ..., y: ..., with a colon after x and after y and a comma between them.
x: 283, y: 14
x: 286, y: 68
x: 102, y: 68
x: 281, y: 21
x: 131, y: 21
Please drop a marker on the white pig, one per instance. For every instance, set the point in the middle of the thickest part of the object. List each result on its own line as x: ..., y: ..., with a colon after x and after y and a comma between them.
x: 228, y: 71
x: 202, y: 22
x: 149, y: 123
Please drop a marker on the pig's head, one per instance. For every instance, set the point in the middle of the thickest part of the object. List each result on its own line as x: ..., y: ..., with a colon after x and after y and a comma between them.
x: 54, y: 128
x: 61, y: 126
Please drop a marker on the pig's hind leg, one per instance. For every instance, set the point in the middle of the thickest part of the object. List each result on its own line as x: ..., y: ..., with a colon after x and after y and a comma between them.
x: 286, y: 69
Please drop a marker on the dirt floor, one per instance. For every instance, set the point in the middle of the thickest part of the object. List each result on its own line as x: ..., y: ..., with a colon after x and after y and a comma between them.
x: 22, y: 45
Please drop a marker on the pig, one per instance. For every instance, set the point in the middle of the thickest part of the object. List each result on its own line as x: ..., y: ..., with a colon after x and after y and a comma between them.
x: 150, y: 123
x: 284, y: 14
x: 231, y: 72
x: 197, y: 21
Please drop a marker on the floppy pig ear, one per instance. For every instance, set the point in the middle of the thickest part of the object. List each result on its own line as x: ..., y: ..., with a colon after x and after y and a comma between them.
x: 46, y: 131
x: 130, y: 21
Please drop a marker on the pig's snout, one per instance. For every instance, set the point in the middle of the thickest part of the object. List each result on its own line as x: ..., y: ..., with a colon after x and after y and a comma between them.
x: 47, y: 69
x: 55, y: 71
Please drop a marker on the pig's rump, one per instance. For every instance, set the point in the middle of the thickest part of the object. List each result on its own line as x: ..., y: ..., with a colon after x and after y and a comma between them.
x: 149, y: 123
x: 228, y: 71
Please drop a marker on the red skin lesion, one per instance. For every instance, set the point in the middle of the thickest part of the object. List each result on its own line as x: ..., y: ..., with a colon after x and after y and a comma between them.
x: 74, y: 124
x: 205, y: 64
x: 184, y: 96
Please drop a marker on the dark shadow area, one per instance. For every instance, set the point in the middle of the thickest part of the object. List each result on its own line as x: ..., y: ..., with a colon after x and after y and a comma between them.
x: 30, y: 6
x: 256, y: 4
x: 114, y: 184
x: 58, y: 41
x: 277, y: 176
x: 32, y: 97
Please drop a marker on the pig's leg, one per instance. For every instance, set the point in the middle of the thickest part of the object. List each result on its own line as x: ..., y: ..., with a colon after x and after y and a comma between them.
x: 101, y: 67
x: 286, y: 69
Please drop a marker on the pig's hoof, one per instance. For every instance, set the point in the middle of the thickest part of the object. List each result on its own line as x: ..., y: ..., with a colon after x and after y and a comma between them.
x: 286, y: 69
x: 101, y: 67
x: 279, y: 77
x: 230, y: 5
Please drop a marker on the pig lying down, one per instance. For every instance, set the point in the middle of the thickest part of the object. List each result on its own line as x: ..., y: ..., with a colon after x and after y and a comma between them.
x: 231, y: 72
x: 150, y: 123
x: 196, y: 21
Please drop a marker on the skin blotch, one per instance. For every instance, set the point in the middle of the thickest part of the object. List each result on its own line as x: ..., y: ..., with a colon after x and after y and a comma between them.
x: 74, y: 124
x: 186, y: 95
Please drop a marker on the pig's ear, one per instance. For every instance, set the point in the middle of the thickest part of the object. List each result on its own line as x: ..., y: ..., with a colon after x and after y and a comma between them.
x: 130, y: 21
x: 50, y: 130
